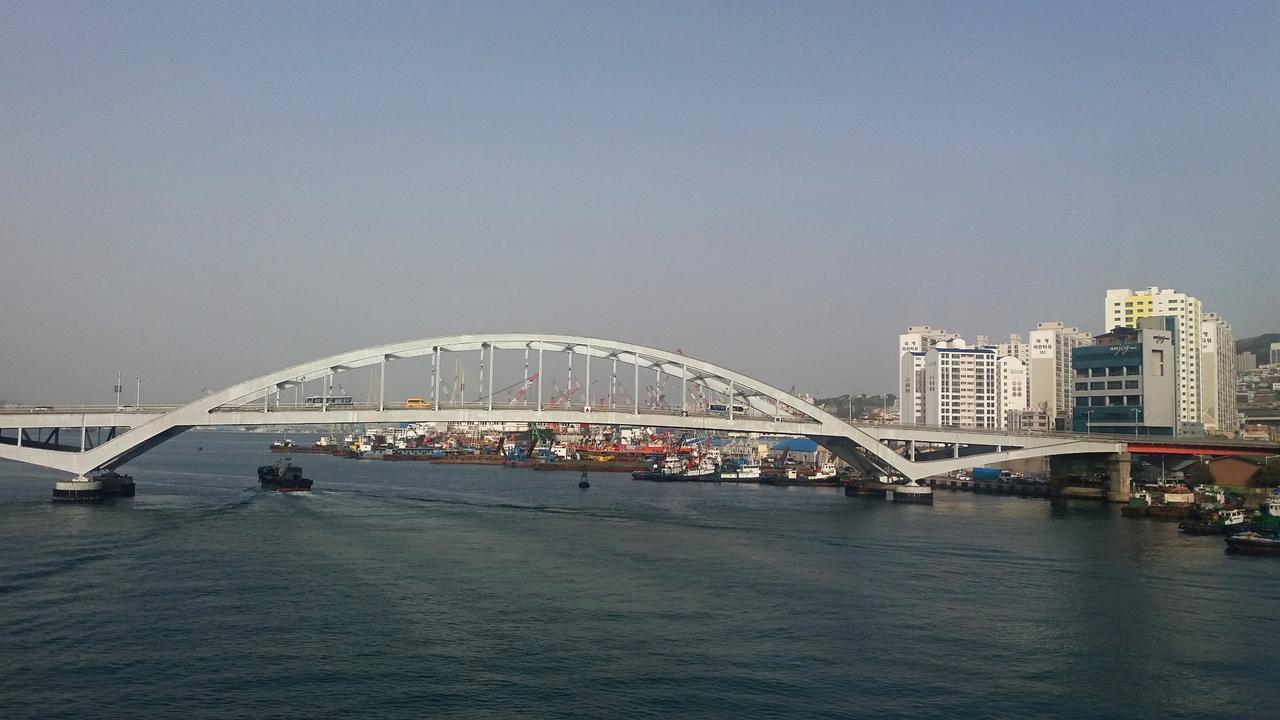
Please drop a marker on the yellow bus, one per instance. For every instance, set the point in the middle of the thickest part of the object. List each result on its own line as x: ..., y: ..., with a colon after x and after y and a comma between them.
x: 416, y: 403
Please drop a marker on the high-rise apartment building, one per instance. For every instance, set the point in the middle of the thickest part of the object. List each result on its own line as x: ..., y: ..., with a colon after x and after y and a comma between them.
x: 1275, y: 354
x: 1246, y: 361
x: 1011, y: 376
x: 1125, y: 307
x: 1217, y: 375
x: 960, y: 385
x: 912, y: 346
x: 1051, y: 380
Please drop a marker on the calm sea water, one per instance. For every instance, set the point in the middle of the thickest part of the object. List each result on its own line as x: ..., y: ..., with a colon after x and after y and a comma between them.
x: 411, y: 590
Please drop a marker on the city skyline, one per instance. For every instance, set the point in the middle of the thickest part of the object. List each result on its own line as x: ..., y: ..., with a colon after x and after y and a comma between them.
x: 196, y: 197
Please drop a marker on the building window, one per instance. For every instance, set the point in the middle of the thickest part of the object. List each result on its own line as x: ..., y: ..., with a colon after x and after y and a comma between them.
x: 1097, y: 386
x: 1082, y: 386
x: 1131, y: 384
x: 1115, y: 385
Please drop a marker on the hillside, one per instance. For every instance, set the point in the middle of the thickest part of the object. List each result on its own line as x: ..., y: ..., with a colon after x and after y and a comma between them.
x: 1260, y: 346
x: 862, y: 404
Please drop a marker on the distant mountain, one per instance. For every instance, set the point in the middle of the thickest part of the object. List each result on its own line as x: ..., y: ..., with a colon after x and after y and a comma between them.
x: 1260, y: 346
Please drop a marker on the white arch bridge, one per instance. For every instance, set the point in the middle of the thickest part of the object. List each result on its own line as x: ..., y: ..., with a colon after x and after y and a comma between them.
x: 79, y: 440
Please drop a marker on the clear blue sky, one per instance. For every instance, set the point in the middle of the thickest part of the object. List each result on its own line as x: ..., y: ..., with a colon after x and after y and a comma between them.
x: 198, y: 192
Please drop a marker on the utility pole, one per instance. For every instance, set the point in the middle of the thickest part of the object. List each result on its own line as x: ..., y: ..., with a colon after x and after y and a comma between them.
x: 119, y: 387
x: 137, y: 400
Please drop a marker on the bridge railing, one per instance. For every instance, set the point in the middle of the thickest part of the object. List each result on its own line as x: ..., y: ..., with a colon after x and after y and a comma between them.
x: 1065, y: 435
x: 83, y: 409
x: 484, y: 405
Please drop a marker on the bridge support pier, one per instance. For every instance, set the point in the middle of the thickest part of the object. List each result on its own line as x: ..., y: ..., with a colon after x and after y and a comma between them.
x: 79, y: 489
x: 1119, y: 475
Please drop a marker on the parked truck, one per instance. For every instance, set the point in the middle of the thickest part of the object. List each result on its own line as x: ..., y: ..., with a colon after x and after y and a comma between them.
x: 986, y: 474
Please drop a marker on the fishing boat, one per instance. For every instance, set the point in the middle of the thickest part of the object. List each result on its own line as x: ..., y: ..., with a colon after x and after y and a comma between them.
x: 1219, y: 522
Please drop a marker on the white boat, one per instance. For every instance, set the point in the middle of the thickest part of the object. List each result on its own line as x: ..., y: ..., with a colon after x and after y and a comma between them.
x: 708, y: 467
x: 1232, y: 517
x: 747, y: 471
x: 826, y: 472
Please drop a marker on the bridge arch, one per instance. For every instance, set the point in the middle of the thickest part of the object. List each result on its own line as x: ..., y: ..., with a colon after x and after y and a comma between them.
x: 764, y: 408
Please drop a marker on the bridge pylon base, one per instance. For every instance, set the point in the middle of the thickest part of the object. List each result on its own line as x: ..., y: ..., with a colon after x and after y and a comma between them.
x: 1119, y: 475
x: 78, y: 490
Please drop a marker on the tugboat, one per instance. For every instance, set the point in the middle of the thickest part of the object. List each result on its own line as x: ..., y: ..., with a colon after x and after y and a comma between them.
x: 583, y: 482
x: 284, y: 476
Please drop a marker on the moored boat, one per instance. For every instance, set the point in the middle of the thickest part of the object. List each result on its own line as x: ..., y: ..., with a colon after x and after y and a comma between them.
x: 671, y: 468
x: 1253, y: 543
x: 826, y: 472
x: 736, y: 470
x: 1218, y: 522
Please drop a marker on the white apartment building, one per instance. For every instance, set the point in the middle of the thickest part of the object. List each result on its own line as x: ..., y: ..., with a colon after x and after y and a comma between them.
x: 960, y: 385
x: 1015, y: 348
x: 1217, y: 375
x: 1125, y: 307
x: 911, y: 403
x: 1050, y: 378
x: 1011, y: 376
x: 915, y: 342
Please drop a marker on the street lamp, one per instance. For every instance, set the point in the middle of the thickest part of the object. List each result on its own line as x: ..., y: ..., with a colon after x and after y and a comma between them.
x: 1134, y: 410
x: 1088, y: 422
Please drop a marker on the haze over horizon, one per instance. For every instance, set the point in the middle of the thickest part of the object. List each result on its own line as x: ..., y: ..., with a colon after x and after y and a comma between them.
x: 197, y: 194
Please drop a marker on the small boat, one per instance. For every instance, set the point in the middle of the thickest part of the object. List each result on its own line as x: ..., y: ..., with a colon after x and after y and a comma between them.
x: 1221, y: 522
x: 1178, y: 495
x: 582, y: 483
x: 1253, y: 543
x: 284, y: 476
x: 740, y: 471
x: 826, y: 472
x: 671, y: 468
